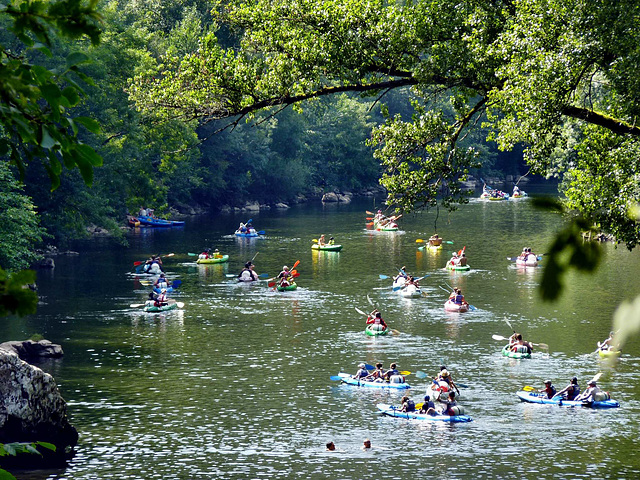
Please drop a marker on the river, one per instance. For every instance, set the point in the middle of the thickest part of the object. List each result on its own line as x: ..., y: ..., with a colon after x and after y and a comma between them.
x: 236, y: 384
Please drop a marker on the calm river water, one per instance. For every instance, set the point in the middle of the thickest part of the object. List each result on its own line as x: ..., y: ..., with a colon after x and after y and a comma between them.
x: 236, y: 385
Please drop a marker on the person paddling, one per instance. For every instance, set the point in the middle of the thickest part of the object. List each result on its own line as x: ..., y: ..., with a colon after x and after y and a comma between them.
x: 375, y: 318
x: 362, y: 372
x: 408, y: 405
x: 285, y: 277
x: 589, y: 394
x: 247, y: 274
x: 549, y: 389
x: 571, y: 391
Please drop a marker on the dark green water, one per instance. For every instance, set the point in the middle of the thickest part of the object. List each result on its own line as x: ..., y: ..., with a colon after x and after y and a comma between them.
x: 237, y: 384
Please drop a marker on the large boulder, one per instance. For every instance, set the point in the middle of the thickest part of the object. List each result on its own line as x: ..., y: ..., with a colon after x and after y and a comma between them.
x: 32, y: 409
x: 330, y: 197
x: 29, y: 349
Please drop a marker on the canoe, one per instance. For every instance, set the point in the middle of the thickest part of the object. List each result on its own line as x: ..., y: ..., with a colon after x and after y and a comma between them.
x: 500, y: 196
x: 154, y: 222
x: 133, y: 222
x: 451, y: 306
x: 537, y: 397
x: 159, y: 290
x: 224, y: 258
x: 458, y: 268
x: 349, y: 380
x: 288, y: 288
x: 172, y: 305
x: 372, y: 331
x: 609, y: 353
x: 410, y: 291
x: 508, y: 353
x: 387, y: 227
x: 395, y: 412
x: 327, y: 248
x: 520, y: 195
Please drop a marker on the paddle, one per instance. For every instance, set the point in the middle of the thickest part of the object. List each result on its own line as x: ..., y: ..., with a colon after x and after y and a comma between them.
x: 419, y: 240
x: 383, y: 277
x: 136, y: 305
x: 541, y: 345
x: 275, y: 284
x: 528, y: 388
x: 370, y: 213
x: 361, y: 312
x: 335, y: 378
x: 135, y: 264
x: 261, y: 232
x: 421, y: 375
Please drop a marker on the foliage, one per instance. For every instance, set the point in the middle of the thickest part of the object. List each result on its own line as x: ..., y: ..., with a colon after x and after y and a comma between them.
x: 35, y: 99
x: 15, y: 297
x: 19, y: 447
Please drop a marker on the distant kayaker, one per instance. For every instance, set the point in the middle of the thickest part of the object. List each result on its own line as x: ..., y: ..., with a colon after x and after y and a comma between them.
x: 454, y: 260
x: 517, y: 344
x: 285, y: 277
x: 366, y: 445
x: 462, y: 259
x: 435, y: 240
x: 449, y: 404
x: 375, y: 318
x: 242, y: 228
x: 402, y: 273
x: 589, y: 395
x: 161, y: 282
x: 549, y: 389
x: 331, y: 446
x: 378, y: 374
x: 321, y: 240
x: 247, y: 274
x: 161, y: 299
x: 142, y: 212
x: 332, y: 241
x: 606, y: 345
x: 516, y: 190
x: 393, y: 370
x: 408, y: 405
x: 457, y: 297
x: 571, y: 391
x: 428, y: 406
x: 362, y: 372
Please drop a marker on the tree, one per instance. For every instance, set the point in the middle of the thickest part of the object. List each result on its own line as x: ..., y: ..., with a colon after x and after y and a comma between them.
x: 523, y: 69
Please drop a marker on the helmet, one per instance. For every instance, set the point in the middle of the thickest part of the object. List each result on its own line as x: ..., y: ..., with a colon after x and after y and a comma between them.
x: 427, y: 398
x: 361, y: 365
x: 285, y: 268
x: 444, y: 373
x: 547, y: 381
x: 164, y: 290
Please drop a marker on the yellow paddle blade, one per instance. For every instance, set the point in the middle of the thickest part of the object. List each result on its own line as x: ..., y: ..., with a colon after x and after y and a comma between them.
x: 419, y: 406
x: 315, y: 240
x: 405, y: 372
x: 528, y: 388
x: 419, y: 240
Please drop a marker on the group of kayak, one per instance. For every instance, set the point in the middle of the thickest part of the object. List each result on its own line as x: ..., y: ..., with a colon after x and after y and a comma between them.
x: 489, y: 193
x: 381, y: 223
x: 147, y: 218
x: 246, y: 230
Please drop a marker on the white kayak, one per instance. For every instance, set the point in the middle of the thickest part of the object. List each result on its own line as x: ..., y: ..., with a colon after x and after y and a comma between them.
x: 410, y: 291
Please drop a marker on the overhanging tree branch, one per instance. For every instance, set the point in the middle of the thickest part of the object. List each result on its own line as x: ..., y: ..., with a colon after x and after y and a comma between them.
x: 610, y: 123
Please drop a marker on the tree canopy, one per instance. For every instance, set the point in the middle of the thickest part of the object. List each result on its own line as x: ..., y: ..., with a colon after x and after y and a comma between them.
x: 558, y: 77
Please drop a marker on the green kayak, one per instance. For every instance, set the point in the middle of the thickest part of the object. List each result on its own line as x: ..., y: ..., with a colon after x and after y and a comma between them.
x: 458, y: 268
x: 222, y: 259
x: 288, y: 288
x: 172, y: 305
x: 375, y: 330
x: 508, y: 353
x: 327, y: 248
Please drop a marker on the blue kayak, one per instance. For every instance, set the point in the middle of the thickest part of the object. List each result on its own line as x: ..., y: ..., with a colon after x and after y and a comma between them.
x: 159, y: 290
x: 159, y: 222
x: 349, y: 380
x: 536, y: 397
x: 395, y: 412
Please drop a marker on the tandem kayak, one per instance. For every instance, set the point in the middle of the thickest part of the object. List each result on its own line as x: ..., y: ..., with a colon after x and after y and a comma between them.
x: 154, y: 222
x: 172, y: 305
x: 536, y: 397
x: 529, y: 262
x: 327, y: 248
x: 511, y: 354
x: 451, y: 306
x: 387, y: 227
x: 609, y: 353
x: 395, y: 412
x: 222, y: 259
x: 251, y: 233
x: 349, y: 380
x: 458, y: 268
x: 398, y: 283
x: 288, y: 288
x: 375, y: 330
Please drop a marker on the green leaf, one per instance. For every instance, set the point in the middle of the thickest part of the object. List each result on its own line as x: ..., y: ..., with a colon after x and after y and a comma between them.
x: 71, y: 95
x: 89, y: 154
x: 4, y: 475
x: 46, y: 141
x: 77, y: 58
x: 47, y: 445
x: 89, y: 123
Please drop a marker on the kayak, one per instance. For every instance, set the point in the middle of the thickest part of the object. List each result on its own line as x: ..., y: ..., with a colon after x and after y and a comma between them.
x: 349, y: 380
x: 159, y: 290
x: 398, y: 283
x: 458, y: 268
x: 536, y: 397
x: 520, y: 195
x: 395, y: 412
x: 222, y: 259
x: 511, y: 354
x: 288, y: 288
x: 251, y: 233
x: 451, y: 306
x: 410, y: 291
x: 436, y: 390
x: 528, y: 262
x: 499, y: 196
x: 133, y: 222
x: 375, y: 330
x: 154, y: 222
x: 327, y: 248
x: 387, y: 227
x: 609, y: 353
x: 172, y: 305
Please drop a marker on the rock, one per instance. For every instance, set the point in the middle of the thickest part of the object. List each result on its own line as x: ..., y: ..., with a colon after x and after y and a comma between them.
x: 344, y: 198
x: 281, y: 205
x: 265, y: 207
x: 329, y: 197
x: 29, y: 349
x: 251, y: 207
x: 225, y: 209
x: 45, y: 263
x: 32, y: 409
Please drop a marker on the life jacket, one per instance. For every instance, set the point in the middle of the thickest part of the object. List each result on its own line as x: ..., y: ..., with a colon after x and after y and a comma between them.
x: 160, y: 300
x: 458, y: 299
x: 410, y: 406
x: 362, y: 373
x: 573, y: 392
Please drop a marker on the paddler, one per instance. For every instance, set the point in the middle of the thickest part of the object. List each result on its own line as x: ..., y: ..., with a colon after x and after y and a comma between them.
x: 285, y: 277
x: 549, y: 389
x: 428, y: 406
x: 571, y: 391
x: 449, y: 404
x: 589, y: 394
x: 606, y: 345
x: 378, y: 374
x: 362, y: 372
x: 247, y: 274
x: 408, y: 405
x: 375, y: 318
x: 435, y: 240
x: 321, y: 240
